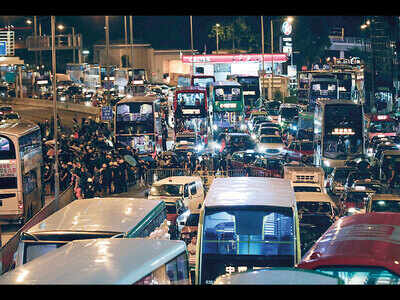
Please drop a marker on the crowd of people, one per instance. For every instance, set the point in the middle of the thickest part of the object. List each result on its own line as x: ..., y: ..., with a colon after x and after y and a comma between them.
x: 88, y: 161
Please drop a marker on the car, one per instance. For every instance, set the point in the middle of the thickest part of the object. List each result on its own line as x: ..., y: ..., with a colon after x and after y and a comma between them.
x: 258, y: 125
x: 189, y: 227
x: 11, y: 117
x: 337, y: 178
x: 382, y: 147
x: 5, y: 109
x: 272, y: 145
x: 267, y: 167
x: 383, y: 203
x: 354, y: 200
x: 372, y: 184
x: 356, y: 175
x: 316, y: 202
x: 388, y: 158
x: 240, y: 158
x: 375, y: 141
x: 297, y: 149
x: 237, y: 141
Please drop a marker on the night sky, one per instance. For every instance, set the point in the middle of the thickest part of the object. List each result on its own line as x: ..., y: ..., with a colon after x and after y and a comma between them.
x: 162, y: 31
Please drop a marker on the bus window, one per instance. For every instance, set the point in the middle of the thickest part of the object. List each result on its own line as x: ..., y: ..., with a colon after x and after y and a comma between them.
x: 7, y: 148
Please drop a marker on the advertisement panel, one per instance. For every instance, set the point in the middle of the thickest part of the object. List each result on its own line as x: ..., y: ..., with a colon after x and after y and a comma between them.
x: 3, y: 48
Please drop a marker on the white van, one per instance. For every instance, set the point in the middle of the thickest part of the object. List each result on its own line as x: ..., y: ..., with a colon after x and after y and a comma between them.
x: 188, y: 188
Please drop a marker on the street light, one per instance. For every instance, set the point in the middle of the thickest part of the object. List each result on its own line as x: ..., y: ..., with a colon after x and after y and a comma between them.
x: 216, y: 30
x: 61, y: 27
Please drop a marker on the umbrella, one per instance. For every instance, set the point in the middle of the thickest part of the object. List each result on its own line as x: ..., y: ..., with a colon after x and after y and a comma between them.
x: 130, y: 160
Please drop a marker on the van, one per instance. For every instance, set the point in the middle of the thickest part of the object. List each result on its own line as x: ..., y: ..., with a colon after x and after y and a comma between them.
x: 90, y: 219
x: 187, y: 188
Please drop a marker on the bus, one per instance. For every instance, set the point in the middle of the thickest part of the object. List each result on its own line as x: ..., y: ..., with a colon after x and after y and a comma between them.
x: 251, y: 89
x: 137, y: 123
x: 381, y: 125
x: 203, y: 81
x: 20, y: 171
x: 304, y: 78
x: 323, y: 85
x: 360, y: 249
x: 90, y: 219
x: 191, y: 112
x: 338, y: 133
x: 246, y: 223
x: 226, y: 106
x: 138, y: 261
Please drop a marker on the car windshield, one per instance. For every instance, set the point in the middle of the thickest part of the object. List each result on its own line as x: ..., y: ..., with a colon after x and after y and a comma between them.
x: 271, y: 139
x: 382, y: 126
x: 166, y: 190
x: 385, y: 206
x: 269, y: 131
x: 314, y: 207
x: 312, y: 189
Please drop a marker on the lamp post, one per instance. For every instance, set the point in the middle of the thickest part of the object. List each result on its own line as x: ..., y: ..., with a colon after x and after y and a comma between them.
x: 191, y: 42
x: 216, y: 30
x: 54, y: 83
x: 262, y: 50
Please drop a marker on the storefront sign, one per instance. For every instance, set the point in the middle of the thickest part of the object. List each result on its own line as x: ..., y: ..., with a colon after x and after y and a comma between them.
x: 106, y: 113
x: 3, y: 48
x: 227, y: 105
x: 286, y: 28
x: 231, y: 58
x: 246, y: 93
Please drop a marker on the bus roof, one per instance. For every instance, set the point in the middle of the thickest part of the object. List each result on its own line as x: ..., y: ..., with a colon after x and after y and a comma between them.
x: 277, y: 276
x: 370, y: 239
x: 118, y: 215
x: 18, y: 129
x: 227, y: 83
x: 149, y: 99
x: 238, y: 191
x: 184, y: 89
x: 97, y: 261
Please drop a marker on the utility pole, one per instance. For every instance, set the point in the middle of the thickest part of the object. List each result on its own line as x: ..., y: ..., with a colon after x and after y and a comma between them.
x: 272, y: 54
x: 131, y: 36
x: 262, y: 50
x: 191, y: 42
x: 54, y: 83
x: 126, y: 33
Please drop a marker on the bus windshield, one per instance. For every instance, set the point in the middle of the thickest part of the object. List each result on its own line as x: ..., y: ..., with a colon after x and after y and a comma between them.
x: 382, y: 126
x: 135, y: 118
x: 343, y: 130
x: 245, y: 237
x: 191, y: 99
x: 203, y: 82
x: 227, y: 93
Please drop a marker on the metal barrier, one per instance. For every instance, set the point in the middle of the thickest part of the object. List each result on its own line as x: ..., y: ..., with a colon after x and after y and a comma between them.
x: 8, y: 250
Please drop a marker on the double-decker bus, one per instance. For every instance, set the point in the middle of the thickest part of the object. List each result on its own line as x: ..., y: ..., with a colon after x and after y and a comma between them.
x: 303, y: 90
x: 20, y: 171
x: 202, y: 80
x: 381, y: 125
x: 323, y: 85
x: 246, y: 223
x: 137, y: 123
x: 338, y: 132
x: 226, y: 106
x: 251, y: 88
x: 191, y: 111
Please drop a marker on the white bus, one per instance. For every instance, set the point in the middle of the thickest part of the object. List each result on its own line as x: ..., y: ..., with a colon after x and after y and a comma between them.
x: 338, y: 133
x: 89, y: 219
x: 246, y: 223
x: 107, y: 261
x: 20, y: 171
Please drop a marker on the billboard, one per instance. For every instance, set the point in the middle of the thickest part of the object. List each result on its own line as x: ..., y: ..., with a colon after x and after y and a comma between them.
x: 3, y: 48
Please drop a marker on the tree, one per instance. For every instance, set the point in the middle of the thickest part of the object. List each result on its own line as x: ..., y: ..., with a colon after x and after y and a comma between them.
x: 311, y: 38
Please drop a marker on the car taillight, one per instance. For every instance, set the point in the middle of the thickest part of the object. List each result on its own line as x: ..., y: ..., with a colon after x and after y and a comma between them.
x: 20, y: 205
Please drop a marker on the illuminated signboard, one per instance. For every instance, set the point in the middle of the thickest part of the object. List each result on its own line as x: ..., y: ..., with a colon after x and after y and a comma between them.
x: 343, y: 131
x: 8, y: 168
x: 3, y: 48
x: 191, y: 111
x: 246, y: 93
x: 227, y: 105
x: 286, y: 28
x: 231, y: 58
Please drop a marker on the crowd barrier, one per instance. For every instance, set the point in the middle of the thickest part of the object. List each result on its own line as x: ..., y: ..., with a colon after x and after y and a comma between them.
x: 8, y: 250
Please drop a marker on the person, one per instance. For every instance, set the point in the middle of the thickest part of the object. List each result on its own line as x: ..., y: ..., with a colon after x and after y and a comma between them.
x: 391, y: 177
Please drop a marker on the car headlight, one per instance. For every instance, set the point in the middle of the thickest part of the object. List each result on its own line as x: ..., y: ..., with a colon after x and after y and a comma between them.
x: 62, y: 98
x: 253, y: 136
x: 215, y: 127
x: 326, y: 163
x: 199, y: 147
x: 243, y: 127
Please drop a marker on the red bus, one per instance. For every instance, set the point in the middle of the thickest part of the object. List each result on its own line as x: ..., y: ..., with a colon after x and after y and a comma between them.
x: 359, y: 249
x: 381, y: 125
x: 191, y: 113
